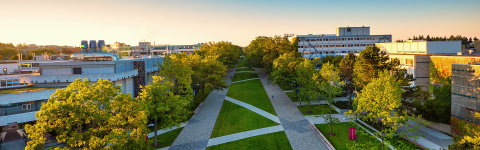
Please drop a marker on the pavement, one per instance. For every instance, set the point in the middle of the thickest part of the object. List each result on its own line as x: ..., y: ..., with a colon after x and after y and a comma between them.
x: 243, y: 135
x: 197, y: 131
x: 432, y: 139
x: 152, y: 134
x: 13, y: 140
x: 318, y: 119
x: 245, y: 80
x: 254, y: 109
x: 297, y: 128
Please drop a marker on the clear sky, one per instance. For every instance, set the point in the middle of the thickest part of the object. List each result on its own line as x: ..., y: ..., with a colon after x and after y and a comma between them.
x: 67, y: 22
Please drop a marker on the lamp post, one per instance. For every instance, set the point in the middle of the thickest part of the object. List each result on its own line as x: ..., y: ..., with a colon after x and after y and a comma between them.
x: 295, y: 84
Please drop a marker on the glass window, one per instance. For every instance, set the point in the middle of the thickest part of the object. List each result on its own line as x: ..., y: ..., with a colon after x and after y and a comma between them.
x: 3, y: 83
x: 15, y: 81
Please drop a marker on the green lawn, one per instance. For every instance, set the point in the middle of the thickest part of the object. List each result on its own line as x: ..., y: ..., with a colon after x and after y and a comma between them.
x: 245, y: 69
x: 340, y: 140
x: 27, y: 89
x: 241, y: 64
x: 234, y: 118
x: 244, y: 76
x: 287, y: 88
x: 277, y: 141
x: 292, y: 96
x: 316, y: 109
x: 165, y: 139
x: 253, y: 93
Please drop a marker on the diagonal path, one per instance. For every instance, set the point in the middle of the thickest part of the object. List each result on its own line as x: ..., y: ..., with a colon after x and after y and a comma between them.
x: 196, y: 133
x: 245, y: 80
x: 242, y: 135
x: 152, y: 134
x: 297, y: 128
x: 254, y: 109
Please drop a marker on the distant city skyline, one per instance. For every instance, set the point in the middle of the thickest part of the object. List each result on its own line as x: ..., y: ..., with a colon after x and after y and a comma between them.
x: 56, y: 22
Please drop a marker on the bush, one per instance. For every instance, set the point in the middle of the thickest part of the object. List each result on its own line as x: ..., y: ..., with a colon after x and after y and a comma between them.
x: 343, y: 104
x: 438, y: 109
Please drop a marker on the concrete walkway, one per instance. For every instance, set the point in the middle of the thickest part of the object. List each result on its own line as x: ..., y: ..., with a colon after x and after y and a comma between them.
x: 432, y: 139
x: 297, y: 128
x: 244, y: 80
x: 196, y: 133
x: 254, y: 109
x: 246, y: 72
x: 152, y: 134
x: 243, y: 135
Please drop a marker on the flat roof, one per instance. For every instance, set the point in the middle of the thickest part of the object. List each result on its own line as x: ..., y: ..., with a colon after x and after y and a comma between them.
x: 334, y: 35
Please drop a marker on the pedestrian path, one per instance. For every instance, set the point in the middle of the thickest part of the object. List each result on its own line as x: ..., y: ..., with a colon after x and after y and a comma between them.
x: 315, y: 103
x: 298, y: 129
x: 431, y: 139
x: 245, y: 80
x: 197, y: 131
x: 289, y: 91
x: 254, y: 109
x: 432, y: 132
x: 243, y: 135
x: 152, y: 134
x: 165, y: 148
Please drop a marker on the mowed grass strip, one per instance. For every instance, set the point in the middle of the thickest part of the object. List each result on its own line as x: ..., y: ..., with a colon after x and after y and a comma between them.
x: 253, y: 93
x: 241, y: 64
x: 277, y: 141
x: 234, y: 118
x: 243, y: 76
x: 165, y: 139
x: 341, y: 139
x: 316, y: 109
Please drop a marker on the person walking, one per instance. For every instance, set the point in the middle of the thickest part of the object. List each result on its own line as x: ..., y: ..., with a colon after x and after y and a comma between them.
x: 272, y: 97
x: 5, y: 112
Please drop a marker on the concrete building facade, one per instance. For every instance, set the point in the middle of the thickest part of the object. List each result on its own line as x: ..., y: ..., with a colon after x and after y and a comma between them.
x: 347, y: 39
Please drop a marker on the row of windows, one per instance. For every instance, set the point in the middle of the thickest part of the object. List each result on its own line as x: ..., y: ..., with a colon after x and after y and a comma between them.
x: 458, y: 94
x: 463, y: 70
x: 332, y: 52
x: 29, y: 64
x: 349, y: 39
x: 336, y: 45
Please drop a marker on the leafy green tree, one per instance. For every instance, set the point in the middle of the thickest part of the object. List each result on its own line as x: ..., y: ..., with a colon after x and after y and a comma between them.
x: 224, y: 51
x: 378, y: 102
x: 346, y: 74
x: 335, y: 60
x: 330, y: 85
x: 163, y: 105
x: 262, y: 51
x: 14, y: 57
x: 42, y: 51
x: 304, y: 77
x: 66, y: 51
x: 30, y: 56
x: 8, y: 52
x: 91, y: 116
x: 474, y: 138
x: 179, y: 73
x: 6, y: 45
x: 284, y: 69
x: 208, y: 72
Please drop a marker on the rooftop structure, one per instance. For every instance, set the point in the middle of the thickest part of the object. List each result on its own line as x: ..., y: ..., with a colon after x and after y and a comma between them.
x: 347, y: 39
x: 421, y: 47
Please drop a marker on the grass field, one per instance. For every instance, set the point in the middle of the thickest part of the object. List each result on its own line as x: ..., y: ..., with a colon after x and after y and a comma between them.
x: 277, y: 141
x: 340, y: 140
x: 234, y: 118
x: 291, y: 95
x: 316, y: 109
x: 244, y: 76
x: 253, y: 93
x: 166, y: 139
x: 241, y: 64
x: 285, y: 88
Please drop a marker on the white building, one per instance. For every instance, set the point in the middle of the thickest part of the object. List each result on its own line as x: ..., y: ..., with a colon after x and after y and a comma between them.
x: 34, y: 81
x: 414, y: 56
x: 347, y: 39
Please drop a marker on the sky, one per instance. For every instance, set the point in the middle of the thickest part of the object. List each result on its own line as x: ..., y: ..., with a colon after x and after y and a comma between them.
x: 184, y: 22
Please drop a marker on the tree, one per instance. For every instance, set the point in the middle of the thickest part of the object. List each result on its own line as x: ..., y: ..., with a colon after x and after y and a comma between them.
x: 42, y: 51
x: 368, y: 64
x: 163, y: 105
x: 284, y: 69
x: 379, y: 101
x: 330, y: 85
x: 208, y: 72
x: 304, y: 73
x: 224, y: 51
x: 475, y: 38
x: 262, y: 51
x: 179, y: 73
x: 66, y: 51
x: 14, y: 57
x: 474, y: 139
x: 8, y: 52
x: 91, y: 116
x: 346, y: 74
x: 29, y: 57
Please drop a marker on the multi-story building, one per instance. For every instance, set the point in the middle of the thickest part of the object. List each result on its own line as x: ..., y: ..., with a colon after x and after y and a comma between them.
x: 465, y: 95
x: 347, y: 39
x: 414, y: 55
x: 29, y: 83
